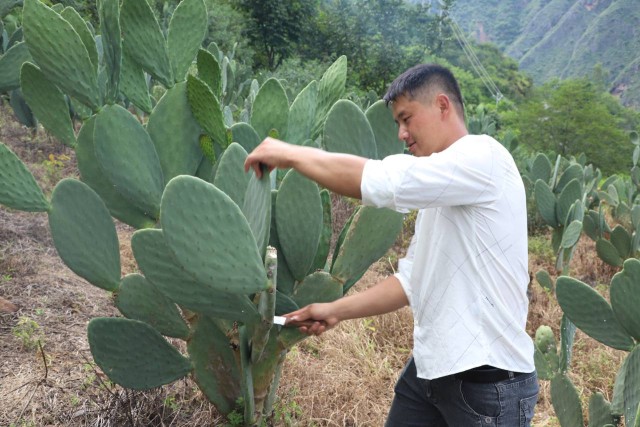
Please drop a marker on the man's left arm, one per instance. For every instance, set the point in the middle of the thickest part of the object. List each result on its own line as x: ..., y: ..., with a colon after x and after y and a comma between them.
x: 340, y: 173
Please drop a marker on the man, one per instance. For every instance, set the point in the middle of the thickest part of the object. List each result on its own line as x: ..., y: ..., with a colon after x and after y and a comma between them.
x: 466, y: 271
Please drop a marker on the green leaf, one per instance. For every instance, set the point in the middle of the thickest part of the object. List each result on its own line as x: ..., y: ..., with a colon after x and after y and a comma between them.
x: 625, y: 297
x: 134, y: 355
x: 347, y: 130
x: 270, y: 109
x: 209, y: 71
x: 299, y: 222
x: 175, y: 134
x: 60, y: 53
x: 206, y: 110
x: 302, y: 114
x: 566, y: 402
x: 187, y: 30
x: 84, y: 234
x: 10, y: 64
x: 18, y: 188
x: 93, y: 175
x: 127, y: 157
x: 47, y: 103
x: 143, y: 40
x: 160, y: 267
x: 385, y: 130
x: 591, y: 313
x: 138, y: 299
x: 210, y: 237
x: 608, y: 253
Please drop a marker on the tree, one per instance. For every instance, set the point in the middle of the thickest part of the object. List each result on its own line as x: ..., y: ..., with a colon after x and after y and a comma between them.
x: 570, y: 117
x: 275, y: 26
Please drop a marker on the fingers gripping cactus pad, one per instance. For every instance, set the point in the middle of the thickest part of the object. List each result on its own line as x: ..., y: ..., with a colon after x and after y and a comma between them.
x: 18, y: 188
x: 160, y: 267
x: 84, y: 234
x: 135, y: 355
x: 210, y: 237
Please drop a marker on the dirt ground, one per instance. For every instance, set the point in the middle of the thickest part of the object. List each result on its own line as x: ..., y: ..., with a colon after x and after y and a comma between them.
x: 344, y: 378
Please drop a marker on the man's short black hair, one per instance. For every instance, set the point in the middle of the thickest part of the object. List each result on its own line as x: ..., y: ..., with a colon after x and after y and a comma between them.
x: 422, y: 78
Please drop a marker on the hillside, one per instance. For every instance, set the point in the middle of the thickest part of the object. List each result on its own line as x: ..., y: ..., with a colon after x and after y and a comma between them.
x: 562, y: 38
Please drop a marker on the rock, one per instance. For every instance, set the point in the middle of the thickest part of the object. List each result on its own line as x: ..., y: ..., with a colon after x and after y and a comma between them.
x: 7, y: 306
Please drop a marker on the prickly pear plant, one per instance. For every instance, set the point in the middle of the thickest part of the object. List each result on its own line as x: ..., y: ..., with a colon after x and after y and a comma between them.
x: 615, y: 324
x: 220, y: 252
x: 561, y: 199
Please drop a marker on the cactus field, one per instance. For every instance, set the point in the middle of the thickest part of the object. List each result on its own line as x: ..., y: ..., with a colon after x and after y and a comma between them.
x: 141, y: 267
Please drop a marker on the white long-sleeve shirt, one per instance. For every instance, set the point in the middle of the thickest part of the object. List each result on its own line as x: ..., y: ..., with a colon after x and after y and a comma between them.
x: 466, y: 270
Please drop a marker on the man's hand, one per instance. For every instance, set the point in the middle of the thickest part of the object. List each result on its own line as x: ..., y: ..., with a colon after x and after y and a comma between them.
x: 272, y: 153
x: 320, y: 313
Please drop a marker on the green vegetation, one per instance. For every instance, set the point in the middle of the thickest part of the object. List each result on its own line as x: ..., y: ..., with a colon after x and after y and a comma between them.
x: 179, y: 93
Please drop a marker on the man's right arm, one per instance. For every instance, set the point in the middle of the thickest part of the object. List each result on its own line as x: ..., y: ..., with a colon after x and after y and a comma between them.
x: 385, y: 297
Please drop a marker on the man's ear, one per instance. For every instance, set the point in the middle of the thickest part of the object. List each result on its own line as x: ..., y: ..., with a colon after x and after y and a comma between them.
x: 443, y: 102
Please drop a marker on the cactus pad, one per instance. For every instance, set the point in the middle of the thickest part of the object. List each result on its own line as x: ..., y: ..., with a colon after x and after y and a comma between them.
x: 257, y: 209
x: 18, y: 188
x: 384, y: 128
x: 133, y: 83
x: 160, y: 267
x: 591, y: 313
x: 144, y: 41
x: 270, y: 109
x: 245, y: 135
x: 566, y: 401
x: 210, y: 237
x: 625, y: 297
x: 330, y: 89
x: 317, y: 287
x: 135, y: 355
x: 10, y: 64
x: 139, y: 299
x: 80, y: 25
x: 215, y: 365
x: 302, y: 114
x: 206, y: 110
x: 187, y: 29
x: 84, y: 234
x: 546, y: 202
x: 94, y: 177
x: 60, y: 53
x: 175, y: 134
x: 230, y: 176
x: 127, y: 157
x: 632, y: 388
x: 347, y: 130
x: 47, y: 103
x: 110, y: 30
x: 209, y: 71
x: 371, y: 232
x: 298, y: 221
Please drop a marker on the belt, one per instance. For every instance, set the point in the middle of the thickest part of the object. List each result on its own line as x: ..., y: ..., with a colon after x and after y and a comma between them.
x: 486, y: 374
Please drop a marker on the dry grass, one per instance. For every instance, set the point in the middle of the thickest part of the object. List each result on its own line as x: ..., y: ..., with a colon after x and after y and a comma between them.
x: 344, y: 378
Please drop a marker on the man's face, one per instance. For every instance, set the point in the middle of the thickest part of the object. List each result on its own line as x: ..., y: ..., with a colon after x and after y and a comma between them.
x: 419, y: 125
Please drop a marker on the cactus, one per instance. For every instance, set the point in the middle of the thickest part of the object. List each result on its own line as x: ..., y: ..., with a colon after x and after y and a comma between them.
x: 207, y: 275
x: 615, y: 325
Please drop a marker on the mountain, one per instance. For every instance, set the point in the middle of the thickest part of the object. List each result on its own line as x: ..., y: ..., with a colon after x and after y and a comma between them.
x: 563, y: 38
